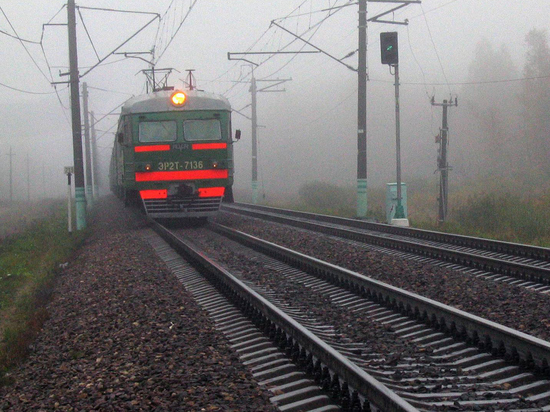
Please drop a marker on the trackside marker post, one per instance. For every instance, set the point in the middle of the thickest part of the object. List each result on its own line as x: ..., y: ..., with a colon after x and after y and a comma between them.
x: 69, y: 170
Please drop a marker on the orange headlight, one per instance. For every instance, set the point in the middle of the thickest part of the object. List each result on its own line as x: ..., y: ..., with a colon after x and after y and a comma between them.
x: 178, y: 98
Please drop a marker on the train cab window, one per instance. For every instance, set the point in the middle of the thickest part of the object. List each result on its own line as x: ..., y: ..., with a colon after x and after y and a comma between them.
x: 209, y: 129
x: 164, y: 131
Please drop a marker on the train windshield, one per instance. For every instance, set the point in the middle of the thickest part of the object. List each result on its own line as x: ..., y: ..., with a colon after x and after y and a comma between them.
x: 209, y: 129
x: 164, y: 131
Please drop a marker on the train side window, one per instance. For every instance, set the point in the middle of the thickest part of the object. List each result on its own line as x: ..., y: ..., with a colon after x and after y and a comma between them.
x: 209, y: 129
x: 163, y: 131
x: 127, y: 132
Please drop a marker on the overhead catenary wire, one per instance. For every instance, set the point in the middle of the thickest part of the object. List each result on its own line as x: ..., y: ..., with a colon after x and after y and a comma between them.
x: 311, y: 12
x: 472, y: 83
x: 49, y: 80
x: 254, y: 44
x: 435, y: 49
x: 19, y: 38
x: 315, y: 28
x: 249, y: 49
x: 109, y: 91
x: 431, y: 10
x: 425, y: 83
x: 23, y: 44
x: 330, y: 12
x: 27, y: 91
x: 417, y: 62
x: 157, y: 59
x: 88, y: 34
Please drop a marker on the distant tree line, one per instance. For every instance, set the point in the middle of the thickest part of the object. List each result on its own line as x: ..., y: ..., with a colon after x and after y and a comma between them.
x: 504, y: 125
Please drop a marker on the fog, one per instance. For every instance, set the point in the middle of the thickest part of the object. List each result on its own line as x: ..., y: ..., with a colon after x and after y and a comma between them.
x: 469, y: 49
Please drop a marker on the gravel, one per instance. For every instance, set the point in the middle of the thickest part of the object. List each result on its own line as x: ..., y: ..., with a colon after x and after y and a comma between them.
x: 384, y: 354
x: 513, y: 306
x: 123, y: 334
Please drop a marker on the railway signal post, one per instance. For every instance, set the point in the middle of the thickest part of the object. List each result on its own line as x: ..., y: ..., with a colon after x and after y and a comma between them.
x: 362, y: 97
x: 390, y: 55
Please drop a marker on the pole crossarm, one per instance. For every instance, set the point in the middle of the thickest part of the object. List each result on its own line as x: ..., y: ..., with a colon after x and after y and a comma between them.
x: 403, y: 3
x: 242, y: 114
x: 279, y: 52
x: 445, y: 102
x: 134, y: 55
x: 396, y: 1
x: 230, y: 54
x: 240, y: 58
x: 277, y: 82
x: 315, y: 47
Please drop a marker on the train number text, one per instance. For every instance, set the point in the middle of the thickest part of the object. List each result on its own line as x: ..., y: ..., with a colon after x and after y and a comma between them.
x: 186, y: 165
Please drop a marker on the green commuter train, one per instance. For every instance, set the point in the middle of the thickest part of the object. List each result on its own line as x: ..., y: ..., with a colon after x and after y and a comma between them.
x: 173, y: 153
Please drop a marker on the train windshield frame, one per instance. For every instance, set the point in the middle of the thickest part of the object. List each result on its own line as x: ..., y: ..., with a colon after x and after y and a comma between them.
x: 202, y: 129
x: 158, y: 131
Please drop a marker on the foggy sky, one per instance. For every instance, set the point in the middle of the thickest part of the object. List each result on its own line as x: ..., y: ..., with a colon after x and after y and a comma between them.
x: 310, y: 128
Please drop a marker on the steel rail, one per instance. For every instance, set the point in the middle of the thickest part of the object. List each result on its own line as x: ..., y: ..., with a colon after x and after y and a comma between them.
x: 344, y: 370
x: 485, y: 263
x: 514, y: 249
x: 517, y: 347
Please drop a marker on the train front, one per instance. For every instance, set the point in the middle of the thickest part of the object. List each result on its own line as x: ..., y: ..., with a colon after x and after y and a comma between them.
x: 182, y: 152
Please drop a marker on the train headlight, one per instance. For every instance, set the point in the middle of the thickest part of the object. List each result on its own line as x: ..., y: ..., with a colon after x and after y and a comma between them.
x: 148, y: 167
x: 215, y: 164
x: 178, y: 99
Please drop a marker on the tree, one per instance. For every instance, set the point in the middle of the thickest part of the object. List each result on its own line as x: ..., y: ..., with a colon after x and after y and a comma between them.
x: 536, y: 101
x: 489, y: 111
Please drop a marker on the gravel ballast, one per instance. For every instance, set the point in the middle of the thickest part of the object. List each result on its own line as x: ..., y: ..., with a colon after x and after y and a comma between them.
x: 123, y: 334
x: 513, y: 306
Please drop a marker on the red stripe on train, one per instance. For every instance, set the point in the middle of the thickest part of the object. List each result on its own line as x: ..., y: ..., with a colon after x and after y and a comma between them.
x: 153, y: 148
x: 153, y: 194
x: 211, y: 191
x: 182, y: 175
x: 206, y: 146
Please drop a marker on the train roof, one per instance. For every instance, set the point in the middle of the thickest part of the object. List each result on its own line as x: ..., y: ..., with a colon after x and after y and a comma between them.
x: 160, y: 102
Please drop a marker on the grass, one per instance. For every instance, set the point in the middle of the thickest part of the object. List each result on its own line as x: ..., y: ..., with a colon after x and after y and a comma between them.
x: 28, y: 264
x: 513, y: 211
x: 506, y: 216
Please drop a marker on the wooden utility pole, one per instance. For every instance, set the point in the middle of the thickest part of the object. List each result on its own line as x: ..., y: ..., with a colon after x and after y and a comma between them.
x: 80, y: 195
x: 442, y: 164
x: 43, y: 181
x: 10, y: 155
x: 95, y: 155
x: 28, y: 179
x: 89, y: 190
x: 254, y: 90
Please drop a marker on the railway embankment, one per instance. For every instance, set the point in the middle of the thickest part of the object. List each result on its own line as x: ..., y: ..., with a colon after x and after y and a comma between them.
x: 123, y: 334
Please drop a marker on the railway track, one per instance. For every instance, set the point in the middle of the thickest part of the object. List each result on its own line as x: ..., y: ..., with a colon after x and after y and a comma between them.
x: 450, y: 359
x: 524, y: 265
